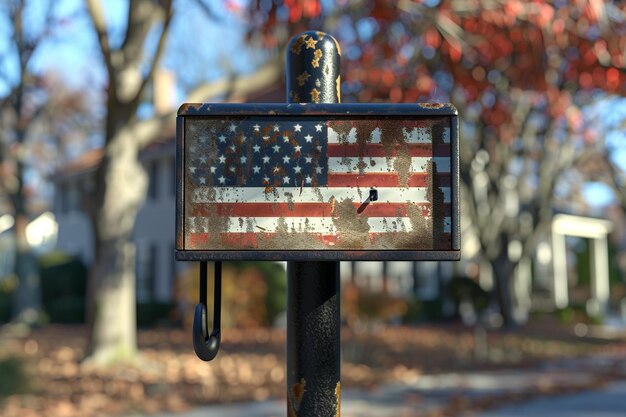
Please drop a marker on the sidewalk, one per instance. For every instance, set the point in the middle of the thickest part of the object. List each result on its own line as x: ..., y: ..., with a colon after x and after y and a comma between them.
x: 607, y: 402
x: 538, y: 392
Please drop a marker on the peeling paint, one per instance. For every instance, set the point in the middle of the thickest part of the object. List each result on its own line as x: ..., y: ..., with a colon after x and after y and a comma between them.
x: 338, y: 399
x: 352, y: 229
x: 296, y: 393
x: 345, y: 227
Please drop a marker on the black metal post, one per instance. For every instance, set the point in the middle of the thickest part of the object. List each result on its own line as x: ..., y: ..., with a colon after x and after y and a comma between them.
x: 313, y: 321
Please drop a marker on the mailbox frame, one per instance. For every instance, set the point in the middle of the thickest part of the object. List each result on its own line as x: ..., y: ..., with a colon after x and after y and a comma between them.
x: 203, y: 110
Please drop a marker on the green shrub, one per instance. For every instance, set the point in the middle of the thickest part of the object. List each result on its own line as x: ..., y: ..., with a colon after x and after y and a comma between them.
x: 7, y: 287
x: 63, y: 287
x: 152, y: 313
x: 13, y: 377
x: 66, y: 310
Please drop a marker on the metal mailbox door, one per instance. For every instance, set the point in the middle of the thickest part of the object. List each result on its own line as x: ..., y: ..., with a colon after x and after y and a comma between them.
x: 317, y: 181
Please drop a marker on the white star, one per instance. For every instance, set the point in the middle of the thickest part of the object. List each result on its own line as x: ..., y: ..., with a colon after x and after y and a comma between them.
x: 256, y: 148
x: 319, y: 148
x: 243, y: 138
x: 243, y: 159
x: 276, y: 148
x: 286, y: 138
x: 256, y: 127
x: 286, y: 159
x: 297, y: 148
x: 298, y: 127
x: 308, y: 138
x: 213, y: 170
x: 266, y: 159
x: 307, y: 179
x: 318, y: 127
x: 276, y: 127
x: 256, y: 169
x: 202, y: 180
x: 266, y: 179
x: 221, y: 179
x: 308, y: 159
x: 233, y: 127
x: 231, y: 169
x: 192, y: 170
x: 286, y: 179
x: 266, y: 138
x: 297, y: 169
x: 203, y: 159
x: 222, y: 159
x: 233, y: 147
x: 276, y: 169
x: 222, y: 138
x: 318, y: 170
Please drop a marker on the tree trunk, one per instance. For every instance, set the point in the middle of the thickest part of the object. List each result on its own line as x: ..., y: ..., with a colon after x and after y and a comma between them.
x: 121, y: 185
x: 27, y: 300
x: 503, y: 269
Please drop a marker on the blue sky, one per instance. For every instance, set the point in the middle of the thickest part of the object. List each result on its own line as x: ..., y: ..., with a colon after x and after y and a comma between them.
x: 201, y: 49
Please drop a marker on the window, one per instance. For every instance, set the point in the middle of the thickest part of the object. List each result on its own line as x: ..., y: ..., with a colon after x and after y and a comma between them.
x: 146, y: 272
x: 153, y: 183
x: 172, y: 164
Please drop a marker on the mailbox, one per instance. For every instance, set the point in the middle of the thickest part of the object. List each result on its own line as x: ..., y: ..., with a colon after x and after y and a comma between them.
x: 317, y: 182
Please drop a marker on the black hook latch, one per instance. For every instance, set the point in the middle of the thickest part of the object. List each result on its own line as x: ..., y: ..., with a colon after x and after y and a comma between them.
x: 205, y: 345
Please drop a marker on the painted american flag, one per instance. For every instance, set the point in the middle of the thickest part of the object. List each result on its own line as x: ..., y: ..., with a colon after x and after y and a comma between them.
x: 264, y: 183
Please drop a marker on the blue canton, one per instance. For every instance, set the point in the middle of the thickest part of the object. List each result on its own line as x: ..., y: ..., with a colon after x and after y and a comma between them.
x: 259, y: 153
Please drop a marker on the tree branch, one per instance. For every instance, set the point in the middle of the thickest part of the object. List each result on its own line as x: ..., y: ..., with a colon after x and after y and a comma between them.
x: 96, y: 14
x: 207, y: 10
x: 146, y: 131
x: 159, y: 51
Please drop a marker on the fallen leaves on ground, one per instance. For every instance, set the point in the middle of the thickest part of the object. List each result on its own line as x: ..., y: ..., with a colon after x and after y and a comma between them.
x: 250, y: 366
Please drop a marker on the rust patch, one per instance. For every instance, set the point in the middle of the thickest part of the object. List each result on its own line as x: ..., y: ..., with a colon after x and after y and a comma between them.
x: 338, y: 399
x: 352, y: 229
x: 302, y: 78
x: 290, y: 202
x: 315, y: 95
x: 295, y: 97
x: 295, y: 397
x: 337, y: 45
x: 433, y: 105
x: 296, y: 47
x: 402, y: 165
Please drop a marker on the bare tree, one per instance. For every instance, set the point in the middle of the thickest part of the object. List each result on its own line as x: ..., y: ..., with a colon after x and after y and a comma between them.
x: 520, y: 74
x: 121, y: 181
x: 26, y: 113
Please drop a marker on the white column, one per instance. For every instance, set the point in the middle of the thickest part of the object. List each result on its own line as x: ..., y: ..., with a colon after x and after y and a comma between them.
x: 600, y: 273
x: 559, y: 279
x: 523, y: 286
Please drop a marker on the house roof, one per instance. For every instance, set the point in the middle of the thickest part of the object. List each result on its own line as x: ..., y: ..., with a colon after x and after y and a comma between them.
x: 85, y: 163
x: 89, y: 161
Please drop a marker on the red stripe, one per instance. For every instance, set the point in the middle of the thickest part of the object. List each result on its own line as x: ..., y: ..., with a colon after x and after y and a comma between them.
x: 237, y: 241
x: 418, y: 179
x: 341, y: 150
x: 371, y: 209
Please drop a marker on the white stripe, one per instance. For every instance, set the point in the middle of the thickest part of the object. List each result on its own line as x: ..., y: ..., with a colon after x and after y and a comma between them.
x: 310, y: 194
x: 322, y: 225
x: 384, y: 165
x: 415, y: 135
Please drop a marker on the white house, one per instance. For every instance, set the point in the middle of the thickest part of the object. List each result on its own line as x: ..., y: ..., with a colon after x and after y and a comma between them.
x: 154, y: 229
